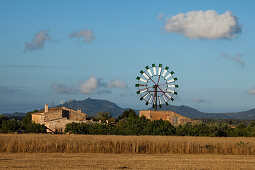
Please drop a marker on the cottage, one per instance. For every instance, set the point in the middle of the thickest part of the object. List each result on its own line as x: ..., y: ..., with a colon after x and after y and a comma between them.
x: 172, y: 117
x: 56, y: 118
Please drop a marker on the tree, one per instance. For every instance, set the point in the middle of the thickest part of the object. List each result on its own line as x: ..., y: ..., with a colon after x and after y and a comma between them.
x: 2, y: 118
x: 103, y: 116
x: 29, y: 126
x: 127, y: 114
x: 11, y: 125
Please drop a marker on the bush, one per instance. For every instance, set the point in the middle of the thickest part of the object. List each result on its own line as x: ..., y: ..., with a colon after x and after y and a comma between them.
x: 11, y: 125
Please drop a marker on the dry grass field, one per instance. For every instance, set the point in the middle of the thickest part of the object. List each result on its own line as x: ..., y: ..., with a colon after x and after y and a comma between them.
x: 47, y: 151
x: 49, y: 143
x: 124, y: 161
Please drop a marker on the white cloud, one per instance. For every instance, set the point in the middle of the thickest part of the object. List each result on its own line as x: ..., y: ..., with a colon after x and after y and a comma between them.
x: 251, y: 91
x: 86, y: 35
x: 118, y: 83
x: 63, y: 89
x: 38, y: 40
x: 161, y: 16
x: 92, y: 85
x: 204, y: 25
x: 236, y: 58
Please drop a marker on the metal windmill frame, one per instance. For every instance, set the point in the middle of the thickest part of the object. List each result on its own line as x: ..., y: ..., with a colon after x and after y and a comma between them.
x: 155, y: 84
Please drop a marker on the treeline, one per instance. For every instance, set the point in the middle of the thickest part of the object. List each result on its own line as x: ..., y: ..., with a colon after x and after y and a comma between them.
x: 25, y: 125
x: 130, y: 124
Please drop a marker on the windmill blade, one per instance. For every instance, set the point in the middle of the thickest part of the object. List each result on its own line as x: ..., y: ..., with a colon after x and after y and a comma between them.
x: 150, y: 98
x: 159, y: 69
x: 143, y: 73
x: 169, y: 90
x: 140, y: 85
x: 164, y: 98
x: 154, y: 69
x: 165, y: 71
x: 159, y: 99
x: 141, y: 79
x: 173, y: 85
x: 168, y: 76
x: 172, y: 80
x: 149, y: 71
x: 155, y: 100
x: 144, y: 90
x: 142, y: 98
x: 168, y: 96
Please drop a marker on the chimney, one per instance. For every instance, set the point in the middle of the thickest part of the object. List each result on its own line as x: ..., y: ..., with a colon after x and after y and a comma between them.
x: 46, y: 108
x: 79, y: 110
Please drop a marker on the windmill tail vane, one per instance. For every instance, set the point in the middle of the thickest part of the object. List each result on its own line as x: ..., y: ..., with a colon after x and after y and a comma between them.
x: 156, y: 85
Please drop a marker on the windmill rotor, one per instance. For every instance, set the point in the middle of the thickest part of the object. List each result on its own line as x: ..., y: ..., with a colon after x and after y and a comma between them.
x: 156, y: 85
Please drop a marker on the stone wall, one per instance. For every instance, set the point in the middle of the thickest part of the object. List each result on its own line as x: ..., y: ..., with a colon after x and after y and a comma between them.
x: 56, y: 118
x: 38, y: 118
x: 76, y: 115
x: 53, y: 114
x: 172, y: 117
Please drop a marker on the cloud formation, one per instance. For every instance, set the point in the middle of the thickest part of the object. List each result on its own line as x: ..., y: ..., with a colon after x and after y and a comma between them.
x: 237, y: 58
x: 63, y: 89
x: 118, y: 83
x: 200, y: 100
x: 5, y: 90
x: 86, y: 35
x: 92, y: 85
x: 204, y: 25
x: 38, y: 41
x: 251, y: 91
x: 161, y: 16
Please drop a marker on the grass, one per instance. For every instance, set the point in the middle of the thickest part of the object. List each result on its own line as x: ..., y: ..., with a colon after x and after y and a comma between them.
x: 124, y: 161
x: 49, y: 143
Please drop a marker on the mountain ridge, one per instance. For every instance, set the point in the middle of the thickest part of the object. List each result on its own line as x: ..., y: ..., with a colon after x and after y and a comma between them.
x: 93, y: 106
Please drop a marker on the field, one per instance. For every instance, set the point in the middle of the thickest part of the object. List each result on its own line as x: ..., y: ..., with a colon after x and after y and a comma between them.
x: 124, y: 161
x: 125, y: 152
x: 48, y: 143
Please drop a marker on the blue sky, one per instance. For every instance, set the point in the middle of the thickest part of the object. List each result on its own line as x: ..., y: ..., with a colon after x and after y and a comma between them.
x: 60, y: 50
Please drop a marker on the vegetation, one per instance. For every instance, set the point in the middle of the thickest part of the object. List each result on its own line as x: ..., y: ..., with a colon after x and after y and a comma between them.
x: 25, y: 125
x: 48, y: 143
x: 130, y: 124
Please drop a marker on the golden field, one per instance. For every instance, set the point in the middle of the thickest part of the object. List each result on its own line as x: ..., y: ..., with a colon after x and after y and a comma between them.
x: 51, y: 143
x: 124, y: 161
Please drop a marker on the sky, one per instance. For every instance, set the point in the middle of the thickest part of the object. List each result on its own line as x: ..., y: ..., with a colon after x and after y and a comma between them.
x: 53, y: 51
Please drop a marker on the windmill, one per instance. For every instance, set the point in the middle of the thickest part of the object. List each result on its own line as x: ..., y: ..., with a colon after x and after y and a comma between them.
x: 156, y: 85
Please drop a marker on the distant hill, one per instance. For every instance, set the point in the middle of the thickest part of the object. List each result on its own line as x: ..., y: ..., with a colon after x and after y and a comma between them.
x: 195, y: 114
x: 94, y: 106
x: 16, y: 115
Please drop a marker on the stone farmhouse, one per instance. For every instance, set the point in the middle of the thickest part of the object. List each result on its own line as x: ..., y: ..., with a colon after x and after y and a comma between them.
x: 56, y: 118
x: 172, y: 117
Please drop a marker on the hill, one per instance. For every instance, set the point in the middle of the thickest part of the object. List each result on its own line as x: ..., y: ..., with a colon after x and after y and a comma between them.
x: 94, y: 106
x: 195, y: 114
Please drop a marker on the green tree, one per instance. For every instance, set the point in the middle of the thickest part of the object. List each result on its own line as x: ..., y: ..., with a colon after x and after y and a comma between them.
x: 11, y: 125
x: 31, y: 127
x: 127, y: 114
x: 103, y: 116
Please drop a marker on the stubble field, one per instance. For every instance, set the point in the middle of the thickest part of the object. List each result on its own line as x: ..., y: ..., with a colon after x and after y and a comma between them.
x: 40, y: 151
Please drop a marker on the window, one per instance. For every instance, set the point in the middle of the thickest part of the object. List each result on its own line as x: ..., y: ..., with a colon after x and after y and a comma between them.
x: 65, y: 113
